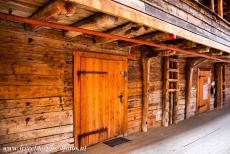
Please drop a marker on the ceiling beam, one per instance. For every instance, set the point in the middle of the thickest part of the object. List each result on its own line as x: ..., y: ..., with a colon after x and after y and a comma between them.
x: 182, y: 44
x: 97, y: 22
x: 153, y: 37
x: 220, y: 8
x: 53, y: 12
x: 215, y: 52
x: 202, y: 50
x: 129, y: 30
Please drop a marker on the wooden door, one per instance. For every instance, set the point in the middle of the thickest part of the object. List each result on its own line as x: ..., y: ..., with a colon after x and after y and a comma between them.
x: 100, y: 97
x: 203, y: 90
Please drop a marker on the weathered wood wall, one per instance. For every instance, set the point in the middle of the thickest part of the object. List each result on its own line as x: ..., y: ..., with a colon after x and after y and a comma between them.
x: 36, y: 85
x: 155, y: 103
x: 35, y: 90
x: 135, y: 78
x: 182, y: 84
x: 155, y: 90
x: 156, y: 84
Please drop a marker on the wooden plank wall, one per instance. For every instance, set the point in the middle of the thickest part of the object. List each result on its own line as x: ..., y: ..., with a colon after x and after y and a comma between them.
x: 36, y: 85
x: 155, y: 90
x: 156, y: 84
x: 35, y: 90
x: 135, y: 78
x: 182, y: 84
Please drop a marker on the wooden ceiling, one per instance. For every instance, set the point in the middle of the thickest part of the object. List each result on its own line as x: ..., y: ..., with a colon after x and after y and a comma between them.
x: 58, y: 11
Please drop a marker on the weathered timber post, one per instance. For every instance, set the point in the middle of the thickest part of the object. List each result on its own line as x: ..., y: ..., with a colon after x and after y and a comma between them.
x: 212, y: 5
x: 219, y: 85
x: 146, y: 71
x: 220, y: 8
x: 189, y: 74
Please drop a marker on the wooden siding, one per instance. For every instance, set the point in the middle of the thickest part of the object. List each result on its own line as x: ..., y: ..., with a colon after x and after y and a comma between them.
x: 155, y: 90
x: 35, y: 90
x: 36, y: 87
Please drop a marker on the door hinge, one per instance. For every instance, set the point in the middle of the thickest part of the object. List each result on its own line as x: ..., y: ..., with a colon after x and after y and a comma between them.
x: 124, y: 74
x: 90, y: 72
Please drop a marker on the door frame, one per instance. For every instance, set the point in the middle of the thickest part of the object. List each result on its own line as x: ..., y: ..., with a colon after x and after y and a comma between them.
x: 198, y: 88
x: 76, y: 90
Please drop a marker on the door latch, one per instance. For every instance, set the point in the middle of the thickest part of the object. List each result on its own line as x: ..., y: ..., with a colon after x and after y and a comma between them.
x: 121, y: 98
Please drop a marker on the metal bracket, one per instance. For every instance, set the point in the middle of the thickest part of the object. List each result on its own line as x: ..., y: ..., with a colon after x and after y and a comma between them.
x: 90, y: 72
x: 124, y: 74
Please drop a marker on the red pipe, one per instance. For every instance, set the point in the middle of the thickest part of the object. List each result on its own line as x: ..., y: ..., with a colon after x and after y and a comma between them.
x: 100, y: 34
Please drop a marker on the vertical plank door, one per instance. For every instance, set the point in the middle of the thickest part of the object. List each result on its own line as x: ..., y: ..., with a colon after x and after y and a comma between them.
x: 203, y: 90
x: 100, y: 106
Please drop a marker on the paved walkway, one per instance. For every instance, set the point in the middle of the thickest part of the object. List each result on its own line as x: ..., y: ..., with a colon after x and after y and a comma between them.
x: 207, y: 133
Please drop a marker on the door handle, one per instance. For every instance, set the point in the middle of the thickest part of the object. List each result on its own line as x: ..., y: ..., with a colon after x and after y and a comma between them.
x: 121, y: 98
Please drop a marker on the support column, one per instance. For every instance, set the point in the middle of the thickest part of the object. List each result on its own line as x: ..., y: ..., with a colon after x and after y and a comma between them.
x: 146, y: 72
x: 212, y: 5
x: 219, y: 85
x: 220, y: 8
x: 188, y: 90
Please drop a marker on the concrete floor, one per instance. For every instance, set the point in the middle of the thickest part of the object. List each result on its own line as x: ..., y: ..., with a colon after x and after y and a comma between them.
x: 206, y: 133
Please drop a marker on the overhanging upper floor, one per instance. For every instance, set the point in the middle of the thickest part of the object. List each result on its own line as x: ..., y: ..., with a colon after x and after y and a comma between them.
x: 184, y: 18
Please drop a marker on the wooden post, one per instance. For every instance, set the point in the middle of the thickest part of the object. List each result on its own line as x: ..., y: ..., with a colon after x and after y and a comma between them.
x: 165, y: 116
x: 219, y: 86
x: 220, y: 8
x: 146, y: 72
x: 212, y: 5
x: 188, y: 90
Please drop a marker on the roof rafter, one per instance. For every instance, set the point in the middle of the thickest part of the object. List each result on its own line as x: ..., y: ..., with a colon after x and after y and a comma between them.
x: 53, y: 12
x: 97, y: 22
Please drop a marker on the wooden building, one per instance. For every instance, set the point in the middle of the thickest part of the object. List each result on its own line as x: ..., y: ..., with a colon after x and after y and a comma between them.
x: 78, y: 72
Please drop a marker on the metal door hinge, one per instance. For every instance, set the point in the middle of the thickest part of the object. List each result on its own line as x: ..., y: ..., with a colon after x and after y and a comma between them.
x: 124, y: 74
x: 90, y: 72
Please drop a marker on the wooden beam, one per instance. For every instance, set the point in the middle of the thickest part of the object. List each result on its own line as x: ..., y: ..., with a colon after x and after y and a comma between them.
x: 215, y: 52
x: 129, y: 30
x: 182, y: 44
x: 189, y: 74
x: 166, y: 53
x: 53, y: 12
x: 202, y: 50
x: 97, y: 22
x: 219, y: 85
x: 146, y: 73
x: 212, y: 5
x: 153, y: 37
x: 220, y: 8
